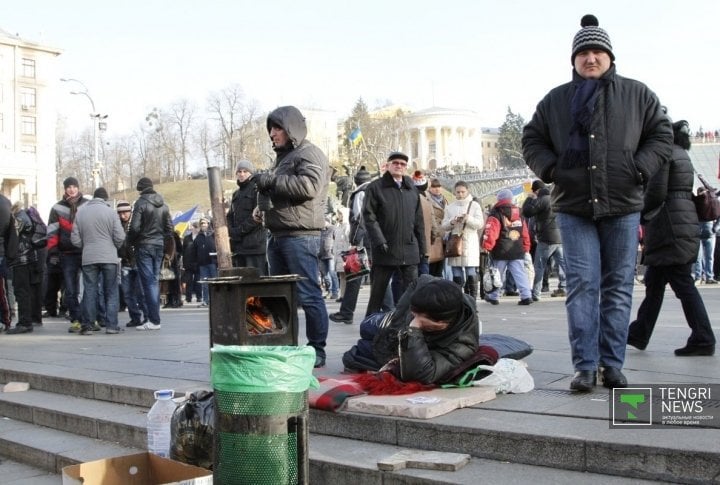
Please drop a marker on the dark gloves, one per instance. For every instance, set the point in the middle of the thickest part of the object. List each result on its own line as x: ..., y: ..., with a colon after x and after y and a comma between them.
x: 265, y: 181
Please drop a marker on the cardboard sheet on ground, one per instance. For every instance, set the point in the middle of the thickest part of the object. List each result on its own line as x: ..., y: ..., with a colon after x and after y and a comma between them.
x: 421, y: 405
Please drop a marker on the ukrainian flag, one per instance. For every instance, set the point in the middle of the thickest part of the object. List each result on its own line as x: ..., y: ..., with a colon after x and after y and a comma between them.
x: 355, y: 137
x: 181, y: 221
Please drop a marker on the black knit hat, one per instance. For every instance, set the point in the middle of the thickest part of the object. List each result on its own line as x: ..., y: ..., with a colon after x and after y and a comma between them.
x: 101, y: 193
x: 362, y: 176
x: 591, y: 37
x: 70, y: 181
x: 144, y: 183
x: 440, y: 299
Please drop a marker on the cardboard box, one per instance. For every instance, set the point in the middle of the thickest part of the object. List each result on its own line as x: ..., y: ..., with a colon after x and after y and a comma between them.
x: 138, y: 469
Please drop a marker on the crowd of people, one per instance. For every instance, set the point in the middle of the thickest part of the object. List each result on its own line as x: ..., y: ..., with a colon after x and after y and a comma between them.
x: 609, y: 160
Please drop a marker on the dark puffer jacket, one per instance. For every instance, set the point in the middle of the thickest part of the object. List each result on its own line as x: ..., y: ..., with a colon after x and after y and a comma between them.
x: 301, y: 177
x: 246, y: 235
x: 669, y: 217
x: 427, y: 357
x: 393, y: 216
x: 150, y: 224
x: 540, y: 207
x: 630, y: 138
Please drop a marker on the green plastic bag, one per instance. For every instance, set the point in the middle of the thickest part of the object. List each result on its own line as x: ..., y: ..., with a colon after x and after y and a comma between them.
x: 259, y: 369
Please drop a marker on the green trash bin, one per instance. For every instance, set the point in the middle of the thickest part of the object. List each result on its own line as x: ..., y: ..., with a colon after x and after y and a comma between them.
x: 261, y: 411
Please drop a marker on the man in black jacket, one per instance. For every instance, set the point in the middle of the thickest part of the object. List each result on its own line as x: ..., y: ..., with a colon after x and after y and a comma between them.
x: 549, y: 245
x: 599, y: 139
x: 248, y: 238
x: 394, y: 227
x: 7, y: 224
x: 295, y: 195
x: 150, y: 226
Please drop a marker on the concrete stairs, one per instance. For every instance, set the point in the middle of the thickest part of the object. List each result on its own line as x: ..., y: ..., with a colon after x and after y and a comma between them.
x: 64, y: 420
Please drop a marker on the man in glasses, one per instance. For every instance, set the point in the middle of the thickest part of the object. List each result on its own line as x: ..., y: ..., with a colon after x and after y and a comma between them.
x: 395, y: 228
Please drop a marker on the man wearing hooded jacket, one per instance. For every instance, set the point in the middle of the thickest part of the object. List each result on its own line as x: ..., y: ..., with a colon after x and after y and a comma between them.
x: 295, y: 194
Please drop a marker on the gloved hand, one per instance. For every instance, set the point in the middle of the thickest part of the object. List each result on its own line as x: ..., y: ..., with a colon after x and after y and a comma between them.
x: 54, y: 259
x: 264, y: 181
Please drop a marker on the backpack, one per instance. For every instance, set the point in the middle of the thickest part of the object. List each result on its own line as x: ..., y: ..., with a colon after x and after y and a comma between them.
x: 39, y: 234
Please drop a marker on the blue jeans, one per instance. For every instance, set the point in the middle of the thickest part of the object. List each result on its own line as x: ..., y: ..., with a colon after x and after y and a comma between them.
x: 148, y: 259
x: 206, y: 271
x: 543, y: 253
x: 516, y: 267
x: 600, y: 258
x: 329, y: 276
x: 93, y: 274
x: 704, y: 264
x: 72, y: 267
x: 132, y: 292
x: 298, y: 255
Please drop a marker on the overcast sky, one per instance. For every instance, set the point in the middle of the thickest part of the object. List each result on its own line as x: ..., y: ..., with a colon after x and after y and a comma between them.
x: 475, y: 54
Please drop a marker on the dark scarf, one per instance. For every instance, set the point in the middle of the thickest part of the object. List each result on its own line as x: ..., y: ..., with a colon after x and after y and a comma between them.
x: 73, y: 203
x: 582, y: 109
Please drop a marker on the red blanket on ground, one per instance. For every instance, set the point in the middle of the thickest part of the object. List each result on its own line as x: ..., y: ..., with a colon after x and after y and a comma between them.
x: 333, y: 393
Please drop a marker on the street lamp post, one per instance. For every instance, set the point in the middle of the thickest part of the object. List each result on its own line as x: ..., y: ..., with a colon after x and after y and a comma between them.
x: 98, y: 125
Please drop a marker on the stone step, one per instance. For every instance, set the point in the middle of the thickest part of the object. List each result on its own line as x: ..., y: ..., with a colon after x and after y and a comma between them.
x: 583, y: 444
x: 332, y: 460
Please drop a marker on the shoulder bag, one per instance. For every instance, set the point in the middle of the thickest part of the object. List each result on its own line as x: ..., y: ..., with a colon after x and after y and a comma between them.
x: 454, y: 244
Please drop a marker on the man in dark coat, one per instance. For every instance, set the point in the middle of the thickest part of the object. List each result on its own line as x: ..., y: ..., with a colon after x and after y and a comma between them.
x: 7, y: 224
x: 395, y: 230
x: 294, y: 198
x: 150, y: 227
x: 248, y: 238
x: 549, y: 244
x: 599, y: 139
x: 670, y: 247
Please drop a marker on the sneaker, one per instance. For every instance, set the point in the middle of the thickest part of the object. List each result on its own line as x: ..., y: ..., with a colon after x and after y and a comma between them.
x: 558, y: 292
x: 47, y: 314
x: 334, y: 296
x: 114, y: 331
x: 535, y: 298
x: 75, y: 327
x: 86, y: 331
x: 711, y: 282
x: 133, y: 323
x: 203, y: 305
x: 319, y: 362
x: 526, y: 301
x: 492, y: 301
x: 511, y: 293
x: 148, y: 326
x: 20, y: 329
x: 97, y: 327
x: 687, y: 351
x: 545, y: 289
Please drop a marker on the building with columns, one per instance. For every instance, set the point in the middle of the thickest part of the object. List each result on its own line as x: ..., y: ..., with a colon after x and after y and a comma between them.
x: 437, y: 137
x: 27, y: 122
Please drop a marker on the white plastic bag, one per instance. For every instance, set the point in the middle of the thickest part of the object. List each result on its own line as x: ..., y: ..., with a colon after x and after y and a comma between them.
x: 508, y: 376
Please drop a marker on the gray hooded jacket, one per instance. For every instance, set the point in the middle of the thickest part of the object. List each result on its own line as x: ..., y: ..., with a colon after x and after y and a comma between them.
x: 301, y: 178
x: 97, y: 230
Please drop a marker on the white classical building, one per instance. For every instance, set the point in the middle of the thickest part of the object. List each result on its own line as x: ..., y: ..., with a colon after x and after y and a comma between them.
x: 27, y: 122
x: 444, y: 137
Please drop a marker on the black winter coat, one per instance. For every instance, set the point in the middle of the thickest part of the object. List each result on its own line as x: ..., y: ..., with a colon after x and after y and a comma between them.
x: 630, y: 138
x: 150, y: 224
x: 540, y: 207
x: 246, y: 235
x: 393, y: 216
x: 427, y: 357
x: 204, y: 245
x: 672, y: 235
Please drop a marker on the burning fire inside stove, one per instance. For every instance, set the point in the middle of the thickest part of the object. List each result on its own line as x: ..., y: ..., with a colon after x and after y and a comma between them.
x: 258, y: 317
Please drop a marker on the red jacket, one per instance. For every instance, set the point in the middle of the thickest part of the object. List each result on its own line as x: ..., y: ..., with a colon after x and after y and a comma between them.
x: 506, y: 235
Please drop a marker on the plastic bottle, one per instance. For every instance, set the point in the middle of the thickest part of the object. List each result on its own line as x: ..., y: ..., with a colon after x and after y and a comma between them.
x: 158, y: 423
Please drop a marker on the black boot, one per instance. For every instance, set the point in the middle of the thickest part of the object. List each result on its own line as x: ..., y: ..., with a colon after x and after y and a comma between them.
x: 458, y: 281
x: 471, y: 286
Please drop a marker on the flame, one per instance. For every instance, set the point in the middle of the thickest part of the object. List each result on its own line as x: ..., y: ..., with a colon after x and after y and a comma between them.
x: 257, y: 317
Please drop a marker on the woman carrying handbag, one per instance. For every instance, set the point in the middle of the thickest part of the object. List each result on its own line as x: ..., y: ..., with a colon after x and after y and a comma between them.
x: 463, y: 218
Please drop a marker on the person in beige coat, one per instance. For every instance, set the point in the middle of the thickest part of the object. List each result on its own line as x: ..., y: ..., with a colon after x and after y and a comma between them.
x: 438, y: 202
x: 433, y: 234
x: 465, y: 216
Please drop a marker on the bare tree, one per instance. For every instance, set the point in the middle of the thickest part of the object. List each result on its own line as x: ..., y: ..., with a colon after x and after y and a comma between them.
x: 233, y: 114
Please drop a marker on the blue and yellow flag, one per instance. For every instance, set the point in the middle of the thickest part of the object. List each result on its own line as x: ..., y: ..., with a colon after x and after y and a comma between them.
x: 355, y: 137
x: 181, y: 221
